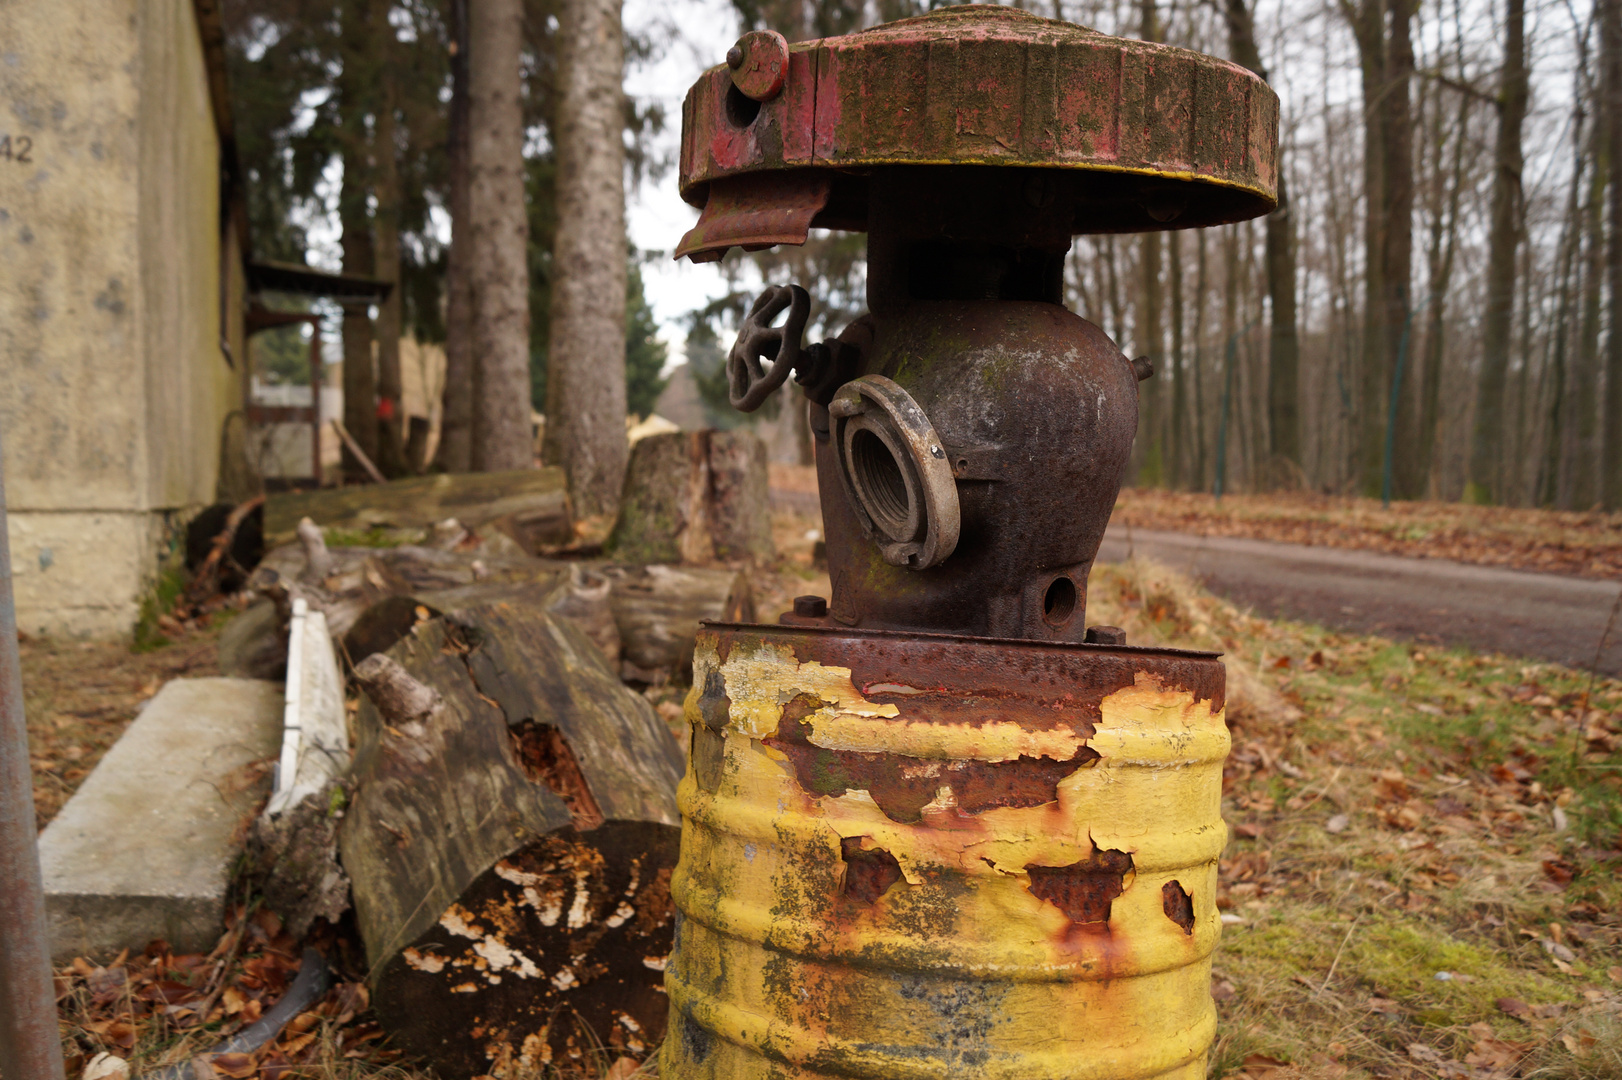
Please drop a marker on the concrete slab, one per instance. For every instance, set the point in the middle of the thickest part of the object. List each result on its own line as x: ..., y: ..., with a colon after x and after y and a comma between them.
x: 144, y: 848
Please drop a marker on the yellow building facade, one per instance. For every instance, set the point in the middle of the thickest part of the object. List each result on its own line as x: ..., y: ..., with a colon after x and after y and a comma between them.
x: 121, y: 296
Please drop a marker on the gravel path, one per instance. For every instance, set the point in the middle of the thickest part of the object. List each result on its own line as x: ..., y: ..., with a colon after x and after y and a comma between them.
x: 1435, y: 600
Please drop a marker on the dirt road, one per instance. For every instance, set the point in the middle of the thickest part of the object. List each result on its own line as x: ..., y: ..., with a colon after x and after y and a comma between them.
x: 1432, y: 600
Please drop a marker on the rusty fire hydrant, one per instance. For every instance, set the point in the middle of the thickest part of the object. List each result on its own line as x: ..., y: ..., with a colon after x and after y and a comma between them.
x: 937, y: 826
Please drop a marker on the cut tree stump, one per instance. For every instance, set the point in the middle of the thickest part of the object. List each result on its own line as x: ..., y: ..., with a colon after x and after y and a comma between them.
x: 509, y: 843
x: 530, y: 505
x: 692, y: 497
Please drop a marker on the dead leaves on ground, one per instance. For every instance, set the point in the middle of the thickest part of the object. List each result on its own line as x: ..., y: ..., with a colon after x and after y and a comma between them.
x: 159, y: 1007
x: 1581, y: 544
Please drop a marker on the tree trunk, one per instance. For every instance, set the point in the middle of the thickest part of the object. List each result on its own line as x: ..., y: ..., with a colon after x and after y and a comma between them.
x: 1610, y: 471
x: 1177, y: 470
x: 359, y: 379
x: 390, y: 456
x: 1397, y: 170
x: 1201, y: 285
x: 1444, y: 245
x: 1579, y: 456
x: 510, y: 843
x: 1487, y: 478
x: 1367, y: 21
x: 500, y: 230
x: 1284, y: 345
x: 587, y: 353
x: 1150, y: 333
x: 456, y: 414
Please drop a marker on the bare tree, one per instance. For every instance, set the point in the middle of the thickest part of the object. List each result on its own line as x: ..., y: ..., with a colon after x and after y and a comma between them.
x: 500, y: 232
x: 1486, y: 481
x: 1284, y: 345
x: 456, y: 418
x: 390, y: 456
x: 354, y: 84
x: 1610, y: 470
x: 585, y: 358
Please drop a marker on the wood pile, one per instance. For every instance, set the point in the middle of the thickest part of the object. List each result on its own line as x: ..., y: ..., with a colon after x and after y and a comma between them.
x: 505, y: 833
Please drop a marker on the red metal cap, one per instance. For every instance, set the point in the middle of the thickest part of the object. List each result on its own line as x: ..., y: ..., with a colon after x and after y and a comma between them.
x: 1155, y: 137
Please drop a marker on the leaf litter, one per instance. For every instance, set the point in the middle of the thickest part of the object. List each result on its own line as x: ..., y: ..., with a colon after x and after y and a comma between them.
x: 1552, y: 541
x: 1421, y: 878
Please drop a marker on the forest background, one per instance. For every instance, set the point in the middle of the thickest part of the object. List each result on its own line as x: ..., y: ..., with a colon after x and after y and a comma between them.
x: 1429, y: 314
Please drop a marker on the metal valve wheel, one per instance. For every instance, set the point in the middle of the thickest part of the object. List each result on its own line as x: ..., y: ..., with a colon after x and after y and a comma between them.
x: 748, y: 383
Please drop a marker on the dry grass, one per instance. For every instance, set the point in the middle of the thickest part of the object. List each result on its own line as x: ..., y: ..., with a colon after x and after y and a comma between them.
x: 1422, y: 879
x: 1399, y: 814
x: 1586, y: 544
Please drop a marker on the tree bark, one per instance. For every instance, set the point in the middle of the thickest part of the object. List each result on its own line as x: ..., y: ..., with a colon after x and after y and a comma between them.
x: 354, y: 93
x: 1151, y: 341
x: 1486, y: 483
x: 1284, y: 344
x: 694, y: 496
x: 456, y: 413
x: 1177, y: 465
x: 500, y: 231
x: 1386, y: 59
x: 587, y: 353
x: 390, y: 456
x: 510, y: 842
x: 1610, y: 471
x: 1579, y: 453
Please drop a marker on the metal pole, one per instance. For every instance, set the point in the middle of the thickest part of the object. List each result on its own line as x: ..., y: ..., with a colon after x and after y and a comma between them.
x: 30, y: 1048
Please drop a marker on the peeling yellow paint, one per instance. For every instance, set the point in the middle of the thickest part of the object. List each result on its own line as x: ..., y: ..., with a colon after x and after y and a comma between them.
x: 760, y: 681
x: 957, y: 938
x: 1001, y: 740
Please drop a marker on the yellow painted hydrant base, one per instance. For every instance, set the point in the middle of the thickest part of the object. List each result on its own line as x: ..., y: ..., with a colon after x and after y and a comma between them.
x: 908, y: 856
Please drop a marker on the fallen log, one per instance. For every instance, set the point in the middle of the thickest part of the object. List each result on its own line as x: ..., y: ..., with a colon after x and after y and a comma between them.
x: 510, y: 842
x: 658, y: 609
x: 530, y: 505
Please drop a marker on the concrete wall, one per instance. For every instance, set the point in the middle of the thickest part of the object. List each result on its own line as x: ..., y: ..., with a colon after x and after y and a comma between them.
x: 113, y: 385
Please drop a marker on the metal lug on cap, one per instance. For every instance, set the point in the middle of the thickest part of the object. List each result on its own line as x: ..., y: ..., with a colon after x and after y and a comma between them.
x: 1106, y: 635
x: 811, y: 607
x: 761, y: 66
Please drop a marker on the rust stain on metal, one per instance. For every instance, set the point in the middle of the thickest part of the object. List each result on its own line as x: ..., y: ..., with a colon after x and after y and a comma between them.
x: 1154, y: 136
x: 1178, y: 905
x: 1085, y: 889
x: 869, y: 872
x: 904, y: 786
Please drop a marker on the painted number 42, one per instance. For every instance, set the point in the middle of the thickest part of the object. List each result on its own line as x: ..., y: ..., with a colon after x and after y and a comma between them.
x: 16, y: 149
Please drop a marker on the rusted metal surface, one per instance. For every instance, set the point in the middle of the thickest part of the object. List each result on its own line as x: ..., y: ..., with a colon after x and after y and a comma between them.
x: 755, y: 213
x: 896, y: 473
x: 759, y: 62
x: 30, y: 1047
x: 917, y: 855
x: 1035, y: 410
x: 1148, y: 136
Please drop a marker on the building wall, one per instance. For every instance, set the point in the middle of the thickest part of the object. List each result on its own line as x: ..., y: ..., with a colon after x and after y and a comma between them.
x: 113, y: 384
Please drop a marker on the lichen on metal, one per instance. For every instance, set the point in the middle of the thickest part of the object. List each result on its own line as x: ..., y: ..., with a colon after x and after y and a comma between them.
x: 829, y: 931
x: 1154, y: 136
